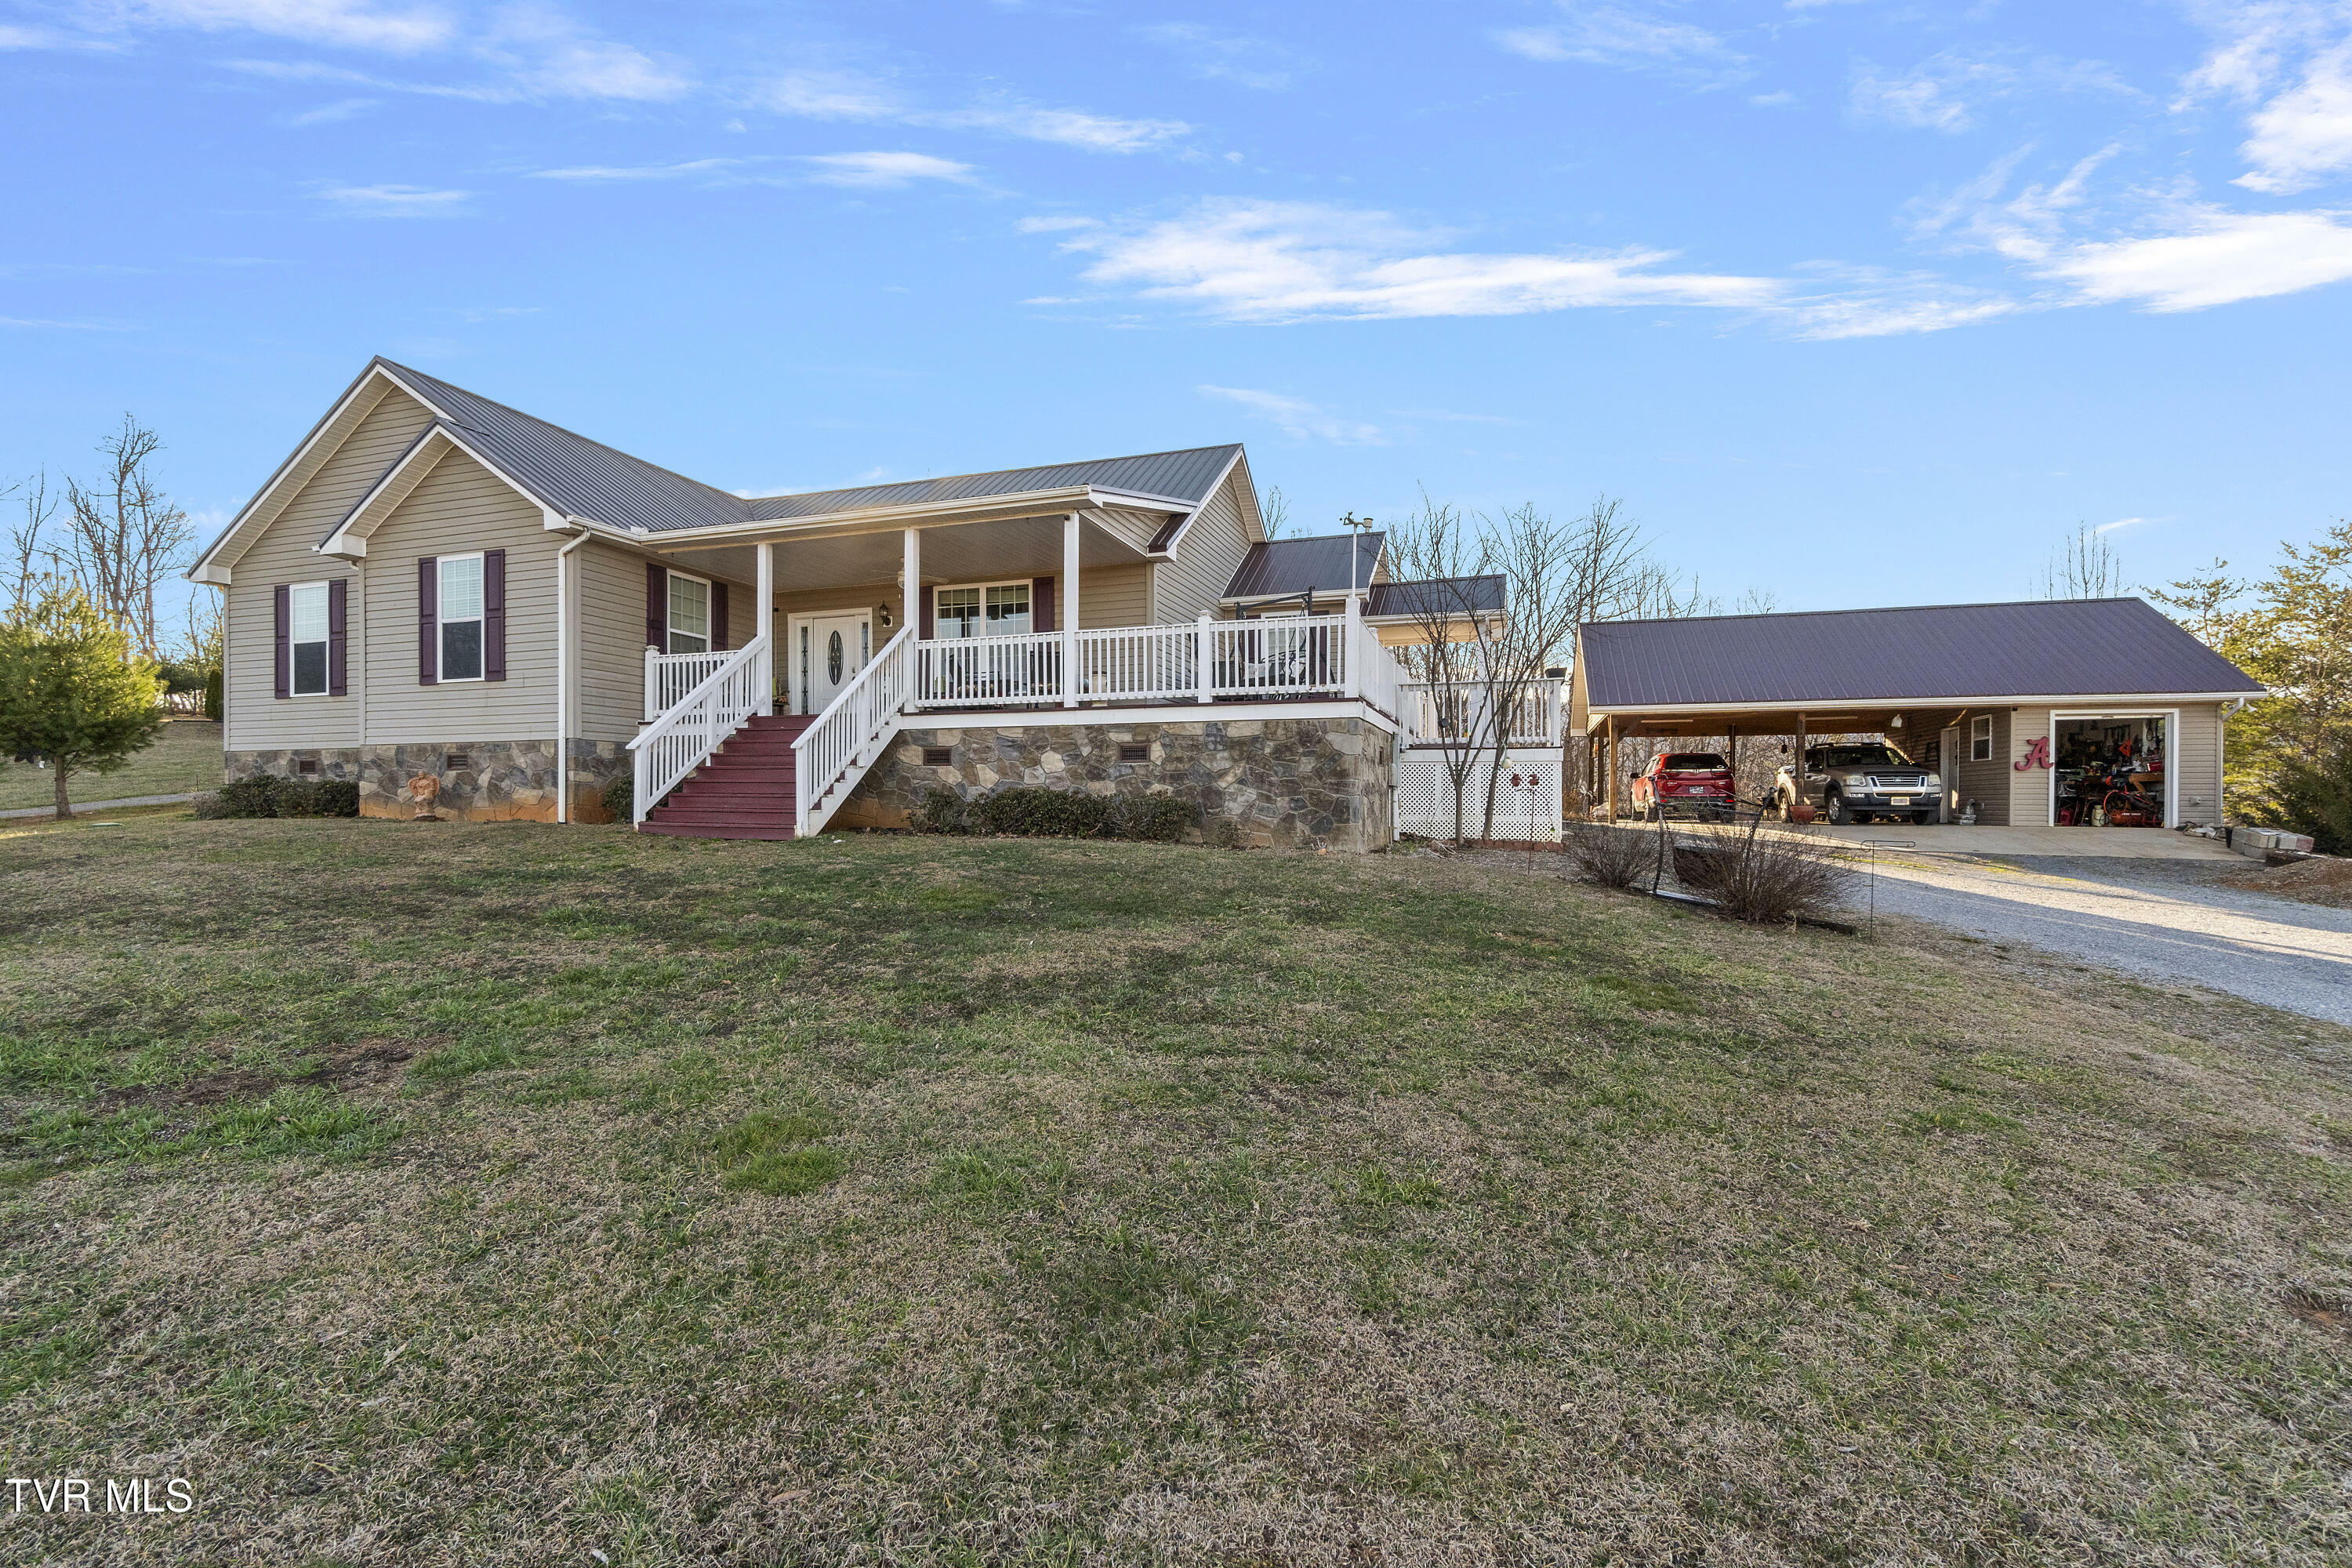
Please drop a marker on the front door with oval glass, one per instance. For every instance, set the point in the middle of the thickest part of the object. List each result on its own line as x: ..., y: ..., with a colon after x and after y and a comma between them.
x: 827, y: 652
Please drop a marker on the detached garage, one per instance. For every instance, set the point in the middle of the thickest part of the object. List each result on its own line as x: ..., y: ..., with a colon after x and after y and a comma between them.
x: 2047, y: 713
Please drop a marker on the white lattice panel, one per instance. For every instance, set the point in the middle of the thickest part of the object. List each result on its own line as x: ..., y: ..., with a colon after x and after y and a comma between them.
x: 1526, y: 797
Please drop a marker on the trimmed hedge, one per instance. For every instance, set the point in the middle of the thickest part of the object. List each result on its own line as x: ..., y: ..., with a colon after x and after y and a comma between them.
x: 266, y: 795
x: 1033, y: 813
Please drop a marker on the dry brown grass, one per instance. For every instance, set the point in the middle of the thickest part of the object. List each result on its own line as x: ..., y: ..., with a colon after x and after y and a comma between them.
x: 1198, y: 1207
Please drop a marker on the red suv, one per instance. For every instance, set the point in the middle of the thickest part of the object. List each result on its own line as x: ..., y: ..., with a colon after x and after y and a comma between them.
x: 1698, y: 782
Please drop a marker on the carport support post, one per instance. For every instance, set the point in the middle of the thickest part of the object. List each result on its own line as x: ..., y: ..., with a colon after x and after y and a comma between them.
x: 1799, y: 772
x: 1609, y: 761
x: 1731, y: 747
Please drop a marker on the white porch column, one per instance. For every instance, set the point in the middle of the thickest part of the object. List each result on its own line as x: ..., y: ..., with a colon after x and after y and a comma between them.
x: 1070, y: 610
x: 764, y: 625
x: 910, y: 606
x: 1204, y: 668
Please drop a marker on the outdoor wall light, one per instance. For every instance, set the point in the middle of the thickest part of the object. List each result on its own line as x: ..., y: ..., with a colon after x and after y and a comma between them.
x: 882, y: 614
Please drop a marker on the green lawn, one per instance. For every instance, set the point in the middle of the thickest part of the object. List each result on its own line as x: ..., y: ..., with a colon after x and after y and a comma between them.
x: 445, y: 1193
x: 185, y: 757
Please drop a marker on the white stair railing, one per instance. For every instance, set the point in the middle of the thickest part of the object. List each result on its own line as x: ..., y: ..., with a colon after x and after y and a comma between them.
x: 832, y: 754
x: 685, y: 734
x: 1379, y: 678
x: 670, y: 676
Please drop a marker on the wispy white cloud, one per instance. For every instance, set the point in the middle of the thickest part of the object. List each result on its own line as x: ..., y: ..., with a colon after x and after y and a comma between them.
x: 850, y: 95
x: 39, y: 323
x: 1224, y: 57
x: 549, y: 54
x: 2303, y: 135
x: 2122, y: 522
x: 831, y: 95
x: 1774, y: 99
x: 394, y: 201
x: 348, y: 23
x: 1629, y: 39
x: 601, y: 173
x: 1288, y: 261
x: 1940, y: 93
x: 1299, y: 419
x: 883, y: 169
x: 2290, y: 61
x: 327, y: 113
x: 2159, y: 252
x: 1273, y: 262
x: 2210, y: 257
x: 1067, y: 127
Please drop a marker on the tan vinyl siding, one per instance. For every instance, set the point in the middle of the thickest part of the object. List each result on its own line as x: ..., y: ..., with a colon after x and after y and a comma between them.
x: 1985, y: 783
x: 258, y: 718
x: 2197, y: 754
x: 461, y: 507
x: 611, y: 642
x: 1114, y: 596
x: 1192, y: 581
x: 2029, y: 791
x: 612, y: 638
x: 840, y: 601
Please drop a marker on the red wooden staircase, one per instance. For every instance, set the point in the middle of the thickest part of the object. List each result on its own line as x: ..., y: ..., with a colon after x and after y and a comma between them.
x: 743, y: 791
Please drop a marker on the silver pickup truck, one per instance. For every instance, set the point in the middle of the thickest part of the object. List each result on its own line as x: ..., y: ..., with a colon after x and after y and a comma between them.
x: 1857, y: 783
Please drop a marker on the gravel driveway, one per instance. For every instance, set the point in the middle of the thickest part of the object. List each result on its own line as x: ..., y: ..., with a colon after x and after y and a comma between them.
x: 2160, y: 919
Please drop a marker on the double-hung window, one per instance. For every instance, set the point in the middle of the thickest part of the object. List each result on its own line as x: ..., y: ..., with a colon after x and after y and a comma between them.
x: 989, y: 610
x: 689, y: 614
x: 307, y: 628
x: 460, y: 605
x: 1980, y: 739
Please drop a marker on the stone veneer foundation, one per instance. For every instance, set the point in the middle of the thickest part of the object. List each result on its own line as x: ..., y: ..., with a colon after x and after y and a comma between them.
x: 1279, y: 782
x: 503, y: 781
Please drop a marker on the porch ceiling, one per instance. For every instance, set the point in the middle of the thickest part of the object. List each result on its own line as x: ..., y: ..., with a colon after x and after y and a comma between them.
x: 953, y: 553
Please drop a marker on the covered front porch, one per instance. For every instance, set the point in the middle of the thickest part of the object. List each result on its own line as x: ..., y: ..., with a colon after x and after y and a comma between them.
x: 857, y: 628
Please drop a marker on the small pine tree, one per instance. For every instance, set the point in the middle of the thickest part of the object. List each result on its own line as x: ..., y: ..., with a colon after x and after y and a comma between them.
x: 72, y: 696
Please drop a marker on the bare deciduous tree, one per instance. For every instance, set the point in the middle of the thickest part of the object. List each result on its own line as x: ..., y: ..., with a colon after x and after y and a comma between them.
x: 2085, y: 567
x: 1273, y: 512
x: 29, y: 544
x: 1482, y: 666
x: 123, y: 536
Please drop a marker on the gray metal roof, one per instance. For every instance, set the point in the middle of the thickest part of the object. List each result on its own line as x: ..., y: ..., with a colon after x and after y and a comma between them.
x: 1277, y: 566
x: 2040, y: 647
x: 1186, y: 475
x: 571, y: 473
x: 1438, y: 596
x: 576, y: 475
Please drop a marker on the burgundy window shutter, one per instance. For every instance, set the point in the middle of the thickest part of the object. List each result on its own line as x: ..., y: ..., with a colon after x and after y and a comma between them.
x: 494, y: 614
x: 656, y: 607
x: 718, y: 616
x: 925, y: 633
x: 285, y: 598
x: 1041, y: 603
x: 428, y: 619
x: 339, y: 640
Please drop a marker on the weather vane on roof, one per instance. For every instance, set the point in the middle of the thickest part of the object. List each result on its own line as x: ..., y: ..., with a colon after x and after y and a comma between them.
x: 1360, y: 524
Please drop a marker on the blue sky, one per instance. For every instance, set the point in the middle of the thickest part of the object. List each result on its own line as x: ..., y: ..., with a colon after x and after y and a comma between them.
x: 1853, y: 301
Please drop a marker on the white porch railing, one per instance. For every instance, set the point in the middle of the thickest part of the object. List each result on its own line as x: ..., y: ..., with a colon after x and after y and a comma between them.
x: 1442, y: 714
x: 670, y: 676
x: 832, y: 754
x: 685, y: 733
x: 1149, y: 664
x: 972, y: 672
